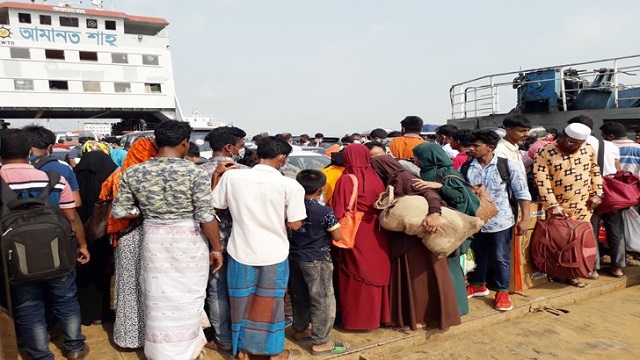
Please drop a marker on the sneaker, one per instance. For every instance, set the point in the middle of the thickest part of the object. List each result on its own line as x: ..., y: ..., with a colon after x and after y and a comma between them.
x: 473, y: 291
x: 503, y: 302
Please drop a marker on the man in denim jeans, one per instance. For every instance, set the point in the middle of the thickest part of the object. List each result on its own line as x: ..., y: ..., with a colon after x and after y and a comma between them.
x: 29, y: 299
x: 495, y: 237
x: 227, y: 144
x: 311, y: 277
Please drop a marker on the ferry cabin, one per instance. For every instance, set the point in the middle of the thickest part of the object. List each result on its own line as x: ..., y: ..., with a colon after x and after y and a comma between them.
x: 65, y: 62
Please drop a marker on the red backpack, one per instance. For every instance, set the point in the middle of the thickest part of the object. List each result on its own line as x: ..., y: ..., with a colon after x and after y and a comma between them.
x: 564, y: 248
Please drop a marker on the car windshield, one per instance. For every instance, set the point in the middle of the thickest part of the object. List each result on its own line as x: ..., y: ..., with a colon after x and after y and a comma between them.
x: 296, y: 163
x: 197, y: 137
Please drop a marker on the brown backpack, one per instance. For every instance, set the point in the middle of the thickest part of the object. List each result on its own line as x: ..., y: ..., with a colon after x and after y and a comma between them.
x: 564, y: 248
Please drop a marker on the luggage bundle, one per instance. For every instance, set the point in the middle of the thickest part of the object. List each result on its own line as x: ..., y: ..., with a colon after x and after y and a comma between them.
x: 564, y: 248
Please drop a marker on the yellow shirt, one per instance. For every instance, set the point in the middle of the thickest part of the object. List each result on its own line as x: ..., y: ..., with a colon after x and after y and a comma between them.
x: 332, y: 172
x: 567, y: 180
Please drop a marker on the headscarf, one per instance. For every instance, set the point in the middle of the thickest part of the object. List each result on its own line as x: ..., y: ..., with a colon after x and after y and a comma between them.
x: 358, y: 163
x: 91, y: 172
x: 93, y: 145
x: 142, y: 150
x: 434, y: 166
x: 392, y: 173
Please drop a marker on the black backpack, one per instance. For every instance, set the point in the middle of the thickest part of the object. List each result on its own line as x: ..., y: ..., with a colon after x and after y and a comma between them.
x: 38, y: 242
x: 505, y: 175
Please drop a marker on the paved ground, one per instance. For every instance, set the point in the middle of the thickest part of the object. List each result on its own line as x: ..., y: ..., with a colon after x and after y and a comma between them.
x: 603, y: 319
x: 605, y: 327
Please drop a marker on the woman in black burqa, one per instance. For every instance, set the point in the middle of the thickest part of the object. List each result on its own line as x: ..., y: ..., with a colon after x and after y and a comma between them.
x: 94, y: 278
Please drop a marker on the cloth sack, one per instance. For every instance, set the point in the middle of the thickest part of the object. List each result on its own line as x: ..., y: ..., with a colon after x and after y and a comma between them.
x: 631, y: 220
x: 487, y: 208
x: 564, y: 248
x: 350, y: 222
x: 621, y: 190
x: 96, y: 225
x: 405, y: 214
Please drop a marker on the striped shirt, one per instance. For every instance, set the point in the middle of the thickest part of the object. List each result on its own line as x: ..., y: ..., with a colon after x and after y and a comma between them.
x: 629, y: 155
x: 26, y: 181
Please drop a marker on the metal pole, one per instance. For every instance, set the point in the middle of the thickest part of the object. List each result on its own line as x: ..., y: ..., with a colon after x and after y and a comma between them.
x: 615, y: 83
x: 563, y: 90
x: 493, y: 98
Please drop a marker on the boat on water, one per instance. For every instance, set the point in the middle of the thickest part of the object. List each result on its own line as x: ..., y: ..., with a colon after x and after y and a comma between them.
x: 70, y: 62
x: 606, y: 90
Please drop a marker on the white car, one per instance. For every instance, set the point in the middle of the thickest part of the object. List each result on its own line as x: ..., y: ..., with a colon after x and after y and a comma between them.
x: 302, y: 160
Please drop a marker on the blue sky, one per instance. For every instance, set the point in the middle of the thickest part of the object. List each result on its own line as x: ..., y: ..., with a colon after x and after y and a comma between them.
x: 354, y: 65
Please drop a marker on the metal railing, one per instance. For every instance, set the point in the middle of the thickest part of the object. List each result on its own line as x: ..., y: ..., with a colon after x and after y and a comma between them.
x: 481, y: 96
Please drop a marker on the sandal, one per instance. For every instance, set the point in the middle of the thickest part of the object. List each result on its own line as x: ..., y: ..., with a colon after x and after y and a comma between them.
x: 616, y: 272
x: 301, y: 336
x: 593, y: 275
x: 575, y: 282
x: 339, y: 347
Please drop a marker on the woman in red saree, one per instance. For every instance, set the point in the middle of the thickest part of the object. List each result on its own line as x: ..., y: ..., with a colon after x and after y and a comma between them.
x: 364, y: 271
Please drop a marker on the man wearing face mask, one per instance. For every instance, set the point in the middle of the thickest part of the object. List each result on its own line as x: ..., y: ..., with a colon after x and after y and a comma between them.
x: 227, y: 145
x: 258, y: 248
x: 42, y: 140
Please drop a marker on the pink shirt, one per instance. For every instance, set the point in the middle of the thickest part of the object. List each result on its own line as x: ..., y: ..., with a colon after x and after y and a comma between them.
x: 26, y: 178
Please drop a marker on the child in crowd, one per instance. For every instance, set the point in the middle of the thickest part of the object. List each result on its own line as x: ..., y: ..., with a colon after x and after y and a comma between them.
x: 311, y: 269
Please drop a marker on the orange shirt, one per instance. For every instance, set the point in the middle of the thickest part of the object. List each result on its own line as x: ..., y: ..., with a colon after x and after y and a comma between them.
x: 402, y: 147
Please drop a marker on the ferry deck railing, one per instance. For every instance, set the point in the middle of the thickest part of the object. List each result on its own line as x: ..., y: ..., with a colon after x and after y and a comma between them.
x: 481, y: 96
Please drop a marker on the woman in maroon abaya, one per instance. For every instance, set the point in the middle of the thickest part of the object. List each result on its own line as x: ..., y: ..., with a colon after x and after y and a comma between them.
x: 365, y: 270
x: 422, y: 292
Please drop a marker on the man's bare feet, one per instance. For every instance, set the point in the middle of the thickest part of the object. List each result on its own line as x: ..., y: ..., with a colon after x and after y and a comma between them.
x: 287, y: 354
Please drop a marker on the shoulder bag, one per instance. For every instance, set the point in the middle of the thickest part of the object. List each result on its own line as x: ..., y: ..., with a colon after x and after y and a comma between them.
x: 350, y: 222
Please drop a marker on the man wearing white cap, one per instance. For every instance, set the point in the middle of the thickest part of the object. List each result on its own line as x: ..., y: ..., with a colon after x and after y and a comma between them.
x: 568, y: 176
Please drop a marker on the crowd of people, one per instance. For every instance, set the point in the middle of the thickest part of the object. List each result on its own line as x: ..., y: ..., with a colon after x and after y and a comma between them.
x: 225, y: 243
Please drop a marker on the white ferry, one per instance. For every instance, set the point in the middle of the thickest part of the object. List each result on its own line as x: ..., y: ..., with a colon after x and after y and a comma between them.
x: 70, y: 62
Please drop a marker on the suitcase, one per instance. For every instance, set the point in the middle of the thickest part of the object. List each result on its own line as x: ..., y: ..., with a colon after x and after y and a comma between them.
x: 564, y: 248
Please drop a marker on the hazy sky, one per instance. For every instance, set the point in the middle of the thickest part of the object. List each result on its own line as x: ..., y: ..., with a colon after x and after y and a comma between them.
x: 354, y: 65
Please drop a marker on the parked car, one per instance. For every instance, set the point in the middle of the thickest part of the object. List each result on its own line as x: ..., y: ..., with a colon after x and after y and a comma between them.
x: 197, y: 136
x: 300, y: 160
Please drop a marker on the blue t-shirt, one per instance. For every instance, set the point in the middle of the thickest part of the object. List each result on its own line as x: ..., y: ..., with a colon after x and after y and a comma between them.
x: 61, y: 168
x: 312, y: 241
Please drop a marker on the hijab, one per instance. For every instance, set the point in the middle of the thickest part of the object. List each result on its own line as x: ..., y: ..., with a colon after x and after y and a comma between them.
x: 435, y: 164
x: 392, y: 173
x: 91, y: 172
x: 357, y: 162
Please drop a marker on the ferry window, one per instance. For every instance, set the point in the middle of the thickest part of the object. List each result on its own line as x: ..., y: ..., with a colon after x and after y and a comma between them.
x: 45, y: 20
x: 4, y: 18
x: 109, y: 24
x: 58, y: 85
x: 69, y: 21
x: 92, y: 24
x: 24, y: 18
x: 119, y: 58
x: 54, y: 54
x: 122, y: 87
x: 23, y: 84
x: 152, y: 88
x: 150, y: 60
x: 88, y: 56
x: 91, y: 86
x: 20, y: 53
